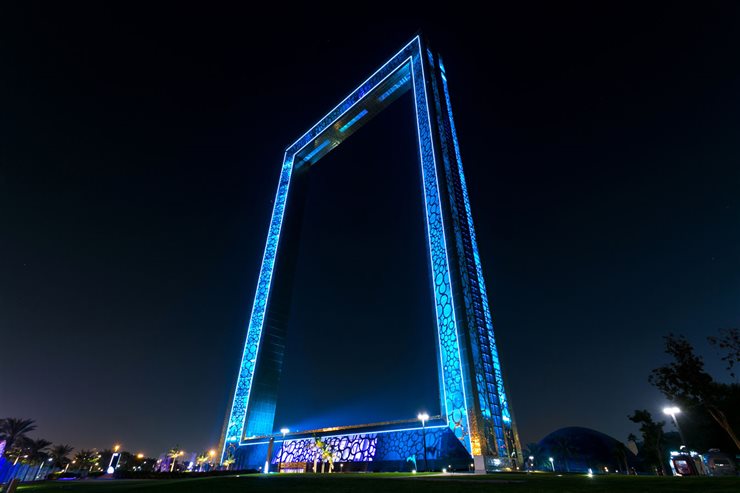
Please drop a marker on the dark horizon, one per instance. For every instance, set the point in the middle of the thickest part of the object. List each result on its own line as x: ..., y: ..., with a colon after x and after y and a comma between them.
x: 138, y: 164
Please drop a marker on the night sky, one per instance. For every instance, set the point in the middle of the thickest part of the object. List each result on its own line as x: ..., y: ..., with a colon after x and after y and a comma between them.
x: 139, y: 156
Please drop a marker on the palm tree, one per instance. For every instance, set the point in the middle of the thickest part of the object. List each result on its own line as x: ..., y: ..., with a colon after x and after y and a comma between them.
x: 620, y: 454
x: 37, y: 450
x: 86, y: 458
x: 13, y: 430
x: 59, y: 454
x: 202, y: 459
x: 564, y: 450
x: 173, y: 454
x: 229, y: 461
x: 37, y: 453
x: 536, y: 451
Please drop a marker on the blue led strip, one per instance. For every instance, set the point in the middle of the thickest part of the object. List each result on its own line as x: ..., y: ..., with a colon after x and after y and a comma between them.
x: 391, y: 66
x: 353, y: 121
x: 235, y: 427
x: 449, y: 346
x: 394, y: 88
x: 482, y: 286
x: 317, y: 150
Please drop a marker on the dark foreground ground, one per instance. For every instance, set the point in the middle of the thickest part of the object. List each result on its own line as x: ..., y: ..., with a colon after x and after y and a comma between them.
x: 391, y: 483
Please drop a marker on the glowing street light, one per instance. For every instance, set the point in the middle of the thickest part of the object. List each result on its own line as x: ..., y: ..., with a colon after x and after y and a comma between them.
x: 116, y: 448
x: 672, y: 411
x: 552, y: 463
x: 139, y: 456
x: 424, y: 417
x: 284, y: 431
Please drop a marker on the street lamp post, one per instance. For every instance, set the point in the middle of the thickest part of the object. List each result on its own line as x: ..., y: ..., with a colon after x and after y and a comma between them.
x: 284, y: 431
x: 211, y: 454
x: 424, y: 417
x: 552, y: 463
x: 672, y: 411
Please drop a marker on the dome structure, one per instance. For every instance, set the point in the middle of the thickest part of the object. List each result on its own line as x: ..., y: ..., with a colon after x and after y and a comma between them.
x: 576, y: 449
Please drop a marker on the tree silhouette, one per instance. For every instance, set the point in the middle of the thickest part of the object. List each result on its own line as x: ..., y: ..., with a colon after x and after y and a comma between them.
x: 684, y: 380
x: 729, y: 343
x: 59, y: 455
x: 652, y: 436
x: 15, y: 430
x: 86, y: 458
x: 37, y: 450
x: 564, y: 450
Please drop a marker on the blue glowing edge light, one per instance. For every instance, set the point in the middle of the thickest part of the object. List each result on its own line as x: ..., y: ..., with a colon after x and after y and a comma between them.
x: 455, y: 413
x: 500, y: 388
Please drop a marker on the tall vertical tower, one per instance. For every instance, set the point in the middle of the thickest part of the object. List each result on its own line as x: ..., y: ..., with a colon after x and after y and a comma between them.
x: 476, y: 419
x: 492, y: 429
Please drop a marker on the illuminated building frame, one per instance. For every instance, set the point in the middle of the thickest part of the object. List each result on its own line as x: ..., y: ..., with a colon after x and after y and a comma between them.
x: 473, y: 399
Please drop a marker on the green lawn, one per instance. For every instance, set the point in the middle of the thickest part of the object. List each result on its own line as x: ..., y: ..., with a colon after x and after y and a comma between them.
x: 390, y: 483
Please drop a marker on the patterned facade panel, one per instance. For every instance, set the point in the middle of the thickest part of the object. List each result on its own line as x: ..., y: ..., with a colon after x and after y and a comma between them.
x: 502, y: 412
x: 401, y: 450
x: 235, y: 426
x: 346, y: 448
x: 449, y: 344
x: 471, y: 324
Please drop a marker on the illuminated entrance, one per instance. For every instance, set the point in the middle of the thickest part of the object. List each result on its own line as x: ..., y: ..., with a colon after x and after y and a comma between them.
x: 475, y: 425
